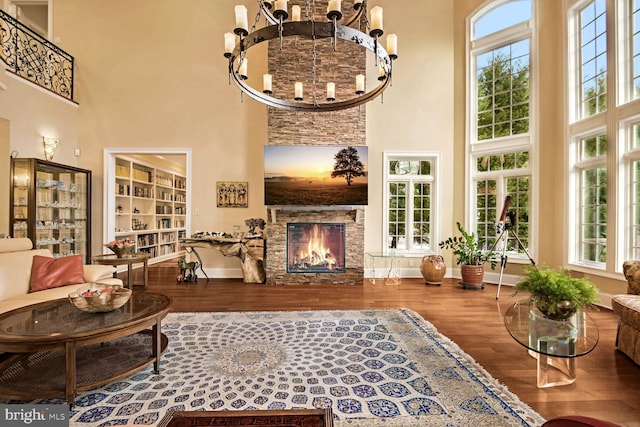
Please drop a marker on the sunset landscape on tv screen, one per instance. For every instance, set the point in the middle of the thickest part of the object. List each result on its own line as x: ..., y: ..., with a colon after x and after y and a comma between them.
x: 315, y: 175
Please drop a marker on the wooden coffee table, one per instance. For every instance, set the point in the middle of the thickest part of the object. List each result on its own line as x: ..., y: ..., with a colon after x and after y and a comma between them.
x: 53, y: 349
x: 270, y: 418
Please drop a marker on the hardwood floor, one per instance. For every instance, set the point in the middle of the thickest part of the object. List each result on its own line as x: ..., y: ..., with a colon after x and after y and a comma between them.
x: 608, y: 383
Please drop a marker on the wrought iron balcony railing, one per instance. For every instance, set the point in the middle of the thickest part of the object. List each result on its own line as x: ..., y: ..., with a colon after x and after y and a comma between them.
x: 35, y: 58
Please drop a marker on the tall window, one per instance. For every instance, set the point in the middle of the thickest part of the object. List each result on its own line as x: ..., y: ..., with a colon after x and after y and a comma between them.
x: 501, y: 137
x: 409, y: 206
x: 604, y: 126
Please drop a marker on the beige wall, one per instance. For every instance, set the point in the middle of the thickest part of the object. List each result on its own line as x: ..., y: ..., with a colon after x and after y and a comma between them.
x: 26, y: 114
x: 157, y: 85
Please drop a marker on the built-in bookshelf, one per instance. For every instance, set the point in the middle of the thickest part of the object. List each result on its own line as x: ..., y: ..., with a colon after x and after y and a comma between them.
x: 150, y: 206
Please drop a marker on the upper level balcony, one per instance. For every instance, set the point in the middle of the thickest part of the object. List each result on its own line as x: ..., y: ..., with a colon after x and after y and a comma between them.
x: 30, y: 56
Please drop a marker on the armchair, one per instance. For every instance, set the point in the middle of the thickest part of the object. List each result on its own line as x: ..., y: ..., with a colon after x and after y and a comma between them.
x: 627, y: 308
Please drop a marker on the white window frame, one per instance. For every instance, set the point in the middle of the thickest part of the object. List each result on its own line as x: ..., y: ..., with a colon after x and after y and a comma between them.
x: 433, y: 179
x: 521, y: 142
x: 575, y: 196
x: 623, y: 112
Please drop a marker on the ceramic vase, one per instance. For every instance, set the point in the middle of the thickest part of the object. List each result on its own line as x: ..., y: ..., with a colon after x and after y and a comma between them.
x: 433, y: 269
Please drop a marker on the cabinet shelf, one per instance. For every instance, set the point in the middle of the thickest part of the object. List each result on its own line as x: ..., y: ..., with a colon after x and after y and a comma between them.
x: 49, y: 206
x: 143, y: 186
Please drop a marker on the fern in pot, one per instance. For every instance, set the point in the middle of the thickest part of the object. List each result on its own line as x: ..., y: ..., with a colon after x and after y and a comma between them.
x: 556, y: 293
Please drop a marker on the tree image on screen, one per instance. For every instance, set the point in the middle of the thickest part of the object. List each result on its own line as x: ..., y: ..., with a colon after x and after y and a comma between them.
x: 347, y: 164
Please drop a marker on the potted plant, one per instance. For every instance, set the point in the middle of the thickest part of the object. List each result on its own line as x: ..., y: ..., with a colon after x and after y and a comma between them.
x: 470, y: 256
x: 556, y: 293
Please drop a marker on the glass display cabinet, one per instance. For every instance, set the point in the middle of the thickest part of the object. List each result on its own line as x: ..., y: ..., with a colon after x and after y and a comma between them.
x: 50, y: 204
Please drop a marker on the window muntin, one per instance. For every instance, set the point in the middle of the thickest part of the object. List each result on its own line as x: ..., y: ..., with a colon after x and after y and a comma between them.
x: 409, y: 219
x: 593, y: 58
x: 503, y: 91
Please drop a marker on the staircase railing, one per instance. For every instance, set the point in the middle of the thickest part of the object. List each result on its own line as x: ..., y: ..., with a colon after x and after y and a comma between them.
x: 31, y: 56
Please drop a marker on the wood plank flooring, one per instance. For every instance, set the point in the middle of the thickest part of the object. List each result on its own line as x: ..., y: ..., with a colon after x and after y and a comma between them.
x: 608, y: 383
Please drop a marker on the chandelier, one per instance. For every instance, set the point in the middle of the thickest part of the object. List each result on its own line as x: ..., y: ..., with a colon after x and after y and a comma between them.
x: 284, y: 23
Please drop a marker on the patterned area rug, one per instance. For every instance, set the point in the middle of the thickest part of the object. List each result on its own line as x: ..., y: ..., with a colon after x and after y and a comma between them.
x: 373, y: 368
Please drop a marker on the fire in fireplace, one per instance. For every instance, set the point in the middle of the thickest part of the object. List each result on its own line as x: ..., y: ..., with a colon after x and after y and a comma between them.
x: 316, y: 247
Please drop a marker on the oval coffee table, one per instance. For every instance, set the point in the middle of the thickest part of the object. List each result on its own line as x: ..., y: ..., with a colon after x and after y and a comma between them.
x: 52, y: 349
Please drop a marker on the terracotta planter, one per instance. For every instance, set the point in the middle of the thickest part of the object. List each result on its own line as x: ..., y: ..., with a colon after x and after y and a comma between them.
x: 433, y: 269
x: 472, y: 276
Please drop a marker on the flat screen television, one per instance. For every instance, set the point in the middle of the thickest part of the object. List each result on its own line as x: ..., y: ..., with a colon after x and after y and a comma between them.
x: 315, y: 175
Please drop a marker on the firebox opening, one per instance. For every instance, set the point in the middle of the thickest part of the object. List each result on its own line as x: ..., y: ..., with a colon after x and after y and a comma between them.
x: 316, y: 247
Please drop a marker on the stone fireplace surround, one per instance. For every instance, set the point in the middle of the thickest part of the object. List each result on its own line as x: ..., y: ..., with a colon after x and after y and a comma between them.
x: 340, y: 128
x: 276, y: 256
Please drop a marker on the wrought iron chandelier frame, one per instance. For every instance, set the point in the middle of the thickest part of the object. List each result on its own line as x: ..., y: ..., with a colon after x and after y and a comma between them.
x: 313, y: 30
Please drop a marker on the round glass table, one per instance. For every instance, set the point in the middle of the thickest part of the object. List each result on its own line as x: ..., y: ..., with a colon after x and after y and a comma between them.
x: 554, y: 343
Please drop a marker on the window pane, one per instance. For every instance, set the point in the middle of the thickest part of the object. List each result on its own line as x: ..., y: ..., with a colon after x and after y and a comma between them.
x: 593, y: 61
x: 593, y: 237
x: 503, y: 16
x: 503, y: 91
x: 396, y: 227
x: 486, y: 210
x: 421, y: 215
x: 593, y: 147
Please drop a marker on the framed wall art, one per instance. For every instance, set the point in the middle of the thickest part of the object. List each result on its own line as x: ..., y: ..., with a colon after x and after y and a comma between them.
x: 232, y: 194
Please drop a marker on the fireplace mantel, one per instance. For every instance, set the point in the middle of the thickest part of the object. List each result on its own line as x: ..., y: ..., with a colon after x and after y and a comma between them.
x: 357, y: 210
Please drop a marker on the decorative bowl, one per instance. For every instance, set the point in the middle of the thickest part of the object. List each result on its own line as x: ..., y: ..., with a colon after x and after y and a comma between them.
x: 120, y: 249
x: 99, y: 298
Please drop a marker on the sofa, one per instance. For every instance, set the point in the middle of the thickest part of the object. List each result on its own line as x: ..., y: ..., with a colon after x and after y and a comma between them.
x: 627, y: 308
x: 19, y: 287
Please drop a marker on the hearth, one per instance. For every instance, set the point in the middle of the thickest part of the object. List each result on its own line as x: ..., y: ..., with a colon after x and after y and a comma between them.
x: 315, y: 247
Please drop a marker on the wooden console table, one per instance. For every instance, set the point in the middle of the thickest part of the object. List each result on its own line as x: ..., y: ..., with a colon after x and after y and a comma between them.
x: 250, y: 250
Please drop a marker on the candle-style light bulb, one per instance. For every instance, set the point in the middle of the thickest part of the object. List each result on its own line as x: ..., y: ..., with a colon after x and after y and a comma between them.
x: 334, y: 9
x: 360, y: 84
x: 298, y: 92
x: 229, y: 44
x: 331, y: 91
x: 392, y: 46
x: 267, y: 83
x: 376, y: 22
x: 280, y: 10
x: 295, y: 13
x: 242, y: 21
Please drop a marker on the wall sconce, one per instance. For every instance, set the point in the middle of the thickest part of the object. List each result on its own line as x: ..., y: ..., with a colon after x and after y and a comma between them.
x: 50, y: 145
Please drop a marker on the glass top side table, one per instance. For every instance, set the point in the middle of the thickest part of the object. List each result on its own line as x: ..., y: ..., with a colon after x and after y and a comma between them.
x: 554, y: 343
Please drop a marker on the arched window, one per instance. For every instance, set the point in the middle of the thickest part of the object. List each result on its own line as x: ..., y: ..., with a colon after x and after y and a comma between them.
x: 501, y: 128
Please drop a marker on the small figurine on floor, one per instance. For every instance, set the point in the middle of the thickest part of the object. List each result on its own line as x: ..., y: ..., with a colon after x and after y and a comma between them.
x: 184, y: 267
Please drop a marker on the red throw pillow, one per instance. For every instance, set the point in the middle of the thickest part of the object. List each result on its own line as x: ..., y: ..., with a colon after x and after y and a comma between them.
x: 47, y: 272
